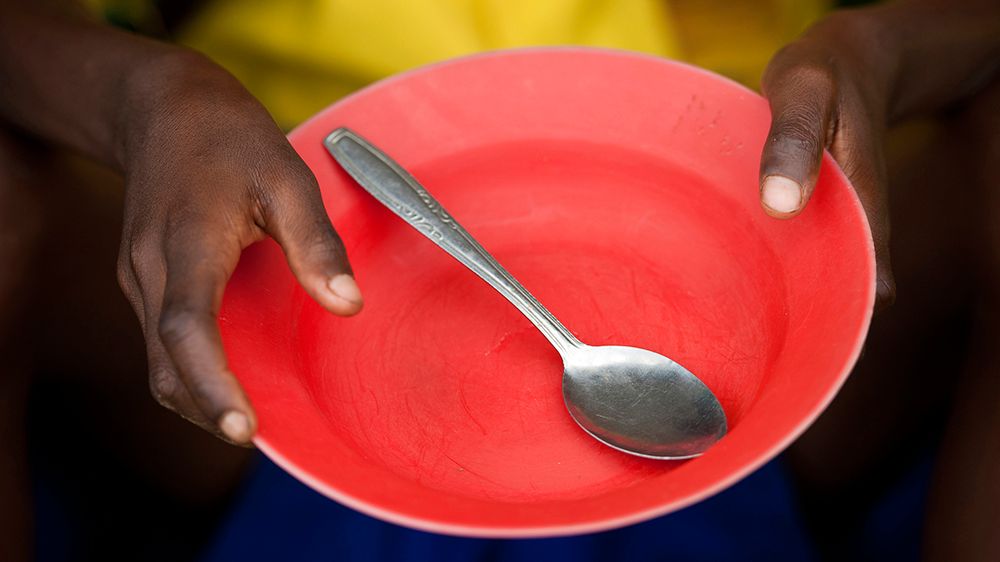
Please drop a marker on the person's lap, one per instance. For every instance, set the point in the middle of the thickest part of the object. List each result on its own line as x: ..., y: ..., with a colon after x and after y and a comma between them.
x: 19, y: 226
x: 964, y: 508
x: 278, y: 518
x: 922, y: 375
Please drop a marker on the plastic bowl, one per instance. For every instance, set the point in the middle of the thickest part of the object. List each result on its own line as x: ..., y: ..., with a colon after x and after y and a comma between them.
x: 622, y: 191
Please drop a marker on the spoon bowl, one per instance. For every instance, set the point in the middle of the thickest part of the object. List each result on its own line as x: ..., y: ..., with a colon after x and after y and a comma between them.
x: 641, y: 402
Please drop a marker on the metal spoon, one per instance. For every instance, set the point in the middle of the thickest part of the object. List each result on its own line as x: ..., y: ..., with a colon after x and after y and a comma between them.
x: 632, y: 399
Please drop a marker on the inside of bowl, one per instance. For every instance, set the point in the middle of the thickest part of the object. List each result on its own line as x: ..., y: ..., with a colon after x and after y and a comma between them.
x: 448, y: 377
x: 440, y: 406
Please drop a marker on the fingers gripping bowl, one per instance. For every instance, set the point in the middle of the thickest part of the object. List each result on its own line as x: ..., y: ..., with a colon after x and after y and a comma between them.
x: 621, y: 190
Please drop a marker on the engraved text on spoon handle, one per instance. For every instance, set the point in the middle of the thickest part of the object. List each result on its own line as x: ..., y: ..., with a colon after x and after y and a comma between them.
x: 395, y: 188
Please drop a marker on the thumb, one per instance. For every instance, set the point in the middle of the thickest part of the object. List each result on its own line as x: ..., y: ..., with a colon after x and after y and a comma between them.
x: 802, y: 103
x: 806, y: 118
x: 294, y: 216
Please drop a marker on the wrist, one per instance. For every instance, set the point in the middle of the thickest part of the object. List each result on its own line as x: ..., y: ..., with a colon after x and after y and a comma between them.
x: 172, y: 87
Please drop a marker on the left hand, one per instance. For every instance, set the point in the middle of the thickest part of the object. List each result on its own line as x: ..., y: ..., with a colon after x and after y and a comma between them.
x: 823, y: 96
x: 848, y: 78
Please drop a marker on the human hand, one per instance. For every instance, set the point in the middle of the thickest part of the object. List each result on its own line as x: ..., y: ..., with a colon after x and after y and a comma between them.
x: 845, y: 80
x: 207, y: 174
x: 823, y: 96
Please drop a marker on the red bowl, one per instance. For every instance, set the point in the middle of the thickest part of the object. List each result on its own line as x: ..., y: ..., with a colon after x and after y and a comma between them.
x: 621, y: 190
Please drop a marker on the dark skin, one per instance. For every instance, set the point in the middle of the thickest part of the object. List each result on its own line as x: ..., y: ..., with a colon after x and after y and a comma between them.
x: 853, y: 75
x: 207, y: 172
x: 190, y: 208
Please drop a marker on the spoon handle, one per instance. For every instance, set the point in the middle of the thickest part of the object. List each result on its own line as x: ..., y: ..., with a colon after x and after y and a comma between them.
x: 395, y: 188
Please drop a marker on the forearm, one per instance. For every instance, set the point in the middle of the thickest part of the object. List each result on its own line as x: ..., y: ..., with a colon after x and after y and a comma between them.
x: 72, y: 81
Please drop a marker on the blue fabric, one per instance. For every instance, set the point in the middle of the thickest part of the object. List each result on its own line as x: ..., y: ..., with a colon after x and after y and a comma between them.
x: 893, y: 528
x: 277, y: 518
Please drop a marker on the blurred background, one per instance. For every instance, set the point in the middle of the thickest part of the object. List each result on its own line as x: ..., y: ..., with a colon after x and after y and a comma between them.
x: 136, y: 482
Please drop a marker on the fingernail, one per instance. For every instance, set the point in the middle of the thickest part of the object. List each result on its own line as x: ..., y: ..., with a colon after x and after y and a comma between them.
x: 236, y: 426
x: 781, y: 194
x: 345, y: 287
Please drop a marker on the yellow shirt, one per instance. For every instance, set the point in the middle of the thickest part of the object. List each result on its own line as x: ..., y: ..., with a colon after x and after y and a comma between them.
x: 297, y: 56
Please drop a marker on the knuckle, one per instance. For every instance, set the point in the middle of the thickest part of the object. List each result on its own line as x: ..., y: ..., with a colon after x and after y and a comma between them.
x: 125, y: 277
x: 798, y: 129
x: 205, y: 390
x: 320, y: 239
x: 288, y: 170
x: 279, y: 184
x: 135, y: 253
x: 318, y: 245
x: 163, y: 386
x: 805, y: 68
x: 129, y: 286
x: 813, y: 77
x: 296, y: 176
x: 802, y: 74
x: 187, y: 221
x: 178, y: 324
x: 138, y: 253
x: 265, y: 201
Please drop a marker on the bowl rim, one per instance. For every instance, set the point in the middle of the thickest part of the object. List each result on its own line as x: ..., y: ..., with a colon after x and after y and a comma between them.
x: 603, y: 524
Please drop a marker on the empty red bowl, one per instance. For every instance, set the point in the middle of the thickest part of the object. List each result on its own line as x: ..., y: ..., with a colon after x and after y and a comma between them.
x: 622, y: 191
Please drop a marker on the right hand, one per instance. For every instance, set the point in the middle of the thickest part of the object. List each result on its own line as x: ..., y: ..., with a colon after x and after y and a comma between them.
x: 207, y: 174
